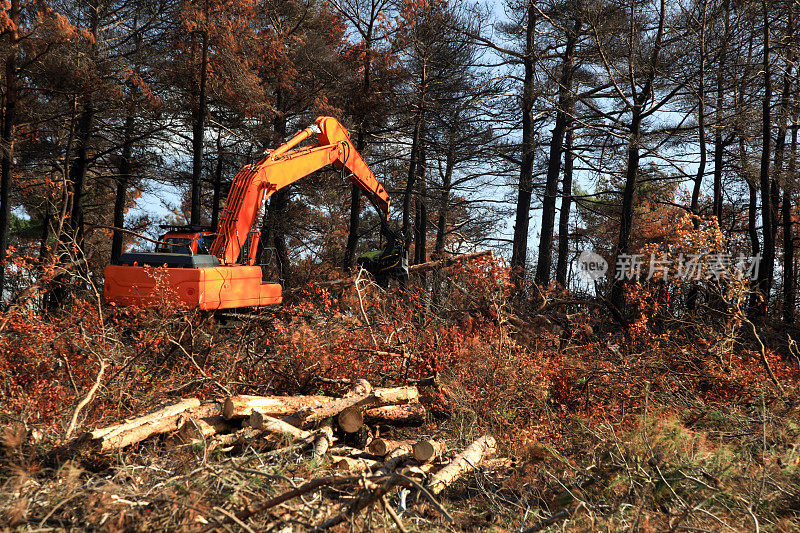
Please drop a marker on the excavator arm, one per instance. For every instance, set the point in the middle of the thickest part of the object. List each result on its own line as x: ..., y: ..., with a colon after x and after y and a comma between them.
x: 283, y: 166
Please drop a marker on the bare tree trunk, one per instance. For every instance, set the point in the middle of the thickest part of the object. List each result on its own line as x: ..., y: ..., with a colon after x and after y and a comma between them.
x: 626, y: 215
x: 421, y: 215
x: 522, y: 218
x: 122, y: 187
x: 718, y: 138
x: 701, y: 121
x: 640, y: 98
x: 566, y: 204
x: 752, y: 214
x: 273, y: 229
x: 767, y: 263
x: 416, y: 147
x: 789, y: 283
x: 444, y: 202
x: 9, y: 122
x: 554, y: 161
x: 198, y: 132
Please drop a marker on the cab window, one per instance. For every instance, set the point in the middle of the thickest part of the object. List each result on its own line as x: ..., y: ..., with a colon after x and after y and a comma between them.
x: 176, y: 246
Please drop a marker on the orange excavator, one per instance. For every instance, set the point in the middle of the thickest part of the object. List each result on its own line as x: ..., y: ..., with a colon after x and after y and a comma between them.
x: 226, y: 276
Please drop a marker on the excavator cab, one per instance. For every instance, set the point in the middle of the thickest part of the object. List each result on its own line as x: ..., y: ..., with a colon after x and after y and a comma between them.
x: 194, y: 240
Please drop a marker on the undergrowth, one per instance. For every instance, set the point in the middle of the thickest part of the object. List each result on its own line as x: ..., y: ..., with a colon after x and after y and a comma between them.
x: 664, y: 424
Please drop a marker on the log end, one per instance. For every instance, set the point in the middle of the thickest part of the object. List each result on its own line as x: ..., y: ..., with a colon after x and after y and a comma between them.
x: 378, y: 447
x: 350, y: 420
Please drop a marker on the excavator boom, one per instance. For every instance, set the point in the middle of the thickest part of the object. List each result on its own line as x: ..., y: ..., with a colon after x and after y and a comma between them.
x: 255, y: 183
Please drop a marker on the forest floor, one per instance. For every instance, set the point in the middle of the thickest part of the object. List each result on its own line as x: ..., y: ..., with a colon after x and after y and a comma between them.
x: 665, y: 424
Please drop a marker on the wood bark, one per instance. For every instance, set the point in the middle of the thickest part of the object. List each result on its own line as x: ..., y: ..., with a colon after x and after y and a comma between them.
x: 280, y: 406
x: 719, y: 143
x: 566, y: 205
x: 464, y: 462
x: 789, y: 281
x: 421, y: 212
x: 361, y: 141
x: 701, y: 121
x: 397, y: 456
x: 638, y: 114
x: 408, y: 414
x: 444, y: 201
x: 766, y: 266
x: 217, y: 192
x: 416, y: 142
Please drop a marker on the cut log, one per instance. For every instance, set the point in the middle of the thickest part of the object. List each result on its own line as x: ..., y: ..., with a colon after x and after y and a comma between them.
x: 164, y: 420
x: 274, y: 406
x: 157, y: 415
x: 396, y: 457
x: 420, y: 472
x: 200, y: 428
x: 377, y: 398
x: 324, y: 440
x: 428, y: 450
x: 464, y: 462
x: 350, y: 420
x: 410, y: 414
x: 353, y: 464
x: 278, y: 428
x: 240, y: 436
x: 383, y: 447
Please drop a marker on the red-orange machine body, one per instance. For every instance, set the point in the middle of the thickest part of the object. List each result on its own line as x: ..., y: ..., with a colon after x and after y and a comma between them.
x: 227, y: 278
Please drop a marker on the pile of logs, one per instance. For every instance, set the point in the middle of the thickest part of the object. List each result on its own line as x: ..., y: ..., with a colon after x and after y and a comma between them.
x: 335, y: 430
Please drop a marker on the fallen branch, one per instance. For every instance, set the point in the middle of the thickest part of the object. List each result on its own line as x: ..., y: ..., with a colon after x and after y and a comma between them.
x: 414, y: 269
x: 305, y: 488
x: 362, y: 502
x: 86, y: 399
